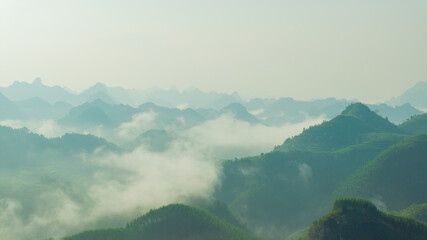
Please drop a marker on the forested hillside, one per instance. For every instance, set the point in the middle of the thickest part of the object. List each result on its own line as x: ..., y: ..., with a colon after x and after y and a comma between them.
x: 355, y: 219
x: 397, y: 177
x: 174, y: 221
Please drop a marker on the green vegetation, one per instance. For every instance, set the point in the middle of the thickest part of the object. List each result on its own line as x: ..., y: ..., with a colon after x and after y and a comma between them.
x: 397, y: 176
x: 287, y: 190
x: 276, y: 194
x: 355, y: 125
x: 175, y: 221
x: 417, y: 211
x: 415, y: 125
x: 359, y: 219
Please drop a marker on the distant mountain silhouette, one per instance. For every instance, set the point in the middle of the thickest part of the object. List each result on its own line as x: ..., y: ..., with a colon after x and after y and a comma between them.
x: 103, y: 97
x: 38, y: 109
x: 172, y: 116
x: 10, y: 110
x: 416, y: 96
x: 21, y: 91
x: 239, y: 112
x: 110, y: 95
x: 89, y: 117
x: 271, y: 111
x: 20, y: 148
x: 98, y: 113
x: 156, y: 139
x: 191, y: 97
x: 287, y: 110
x: 397, y: 114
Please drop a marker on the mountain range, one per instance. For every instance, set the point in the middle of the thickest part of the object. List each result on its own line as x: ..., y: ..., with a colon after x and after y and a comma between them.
x: 39, y: 101
x: 374, y: 152
x: 415, y: 95
x: 288, y: 188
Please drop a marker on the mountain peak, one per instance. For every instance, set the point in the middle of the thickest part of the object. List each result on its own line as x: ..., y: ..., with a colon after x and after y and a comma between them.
x: 37, y: 81
x: 357, y: 110
x: 99, y: 86
x: 236, y: 107
x: 360, y: 219
x: 363, y: 113
x: 240, y: 113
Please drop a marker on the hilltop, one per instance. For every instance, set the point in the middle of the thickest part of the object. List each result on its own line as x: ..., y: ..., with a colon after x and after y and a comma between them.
x: 359, y: 219
x: 175, y: 221
x: 356, y: 124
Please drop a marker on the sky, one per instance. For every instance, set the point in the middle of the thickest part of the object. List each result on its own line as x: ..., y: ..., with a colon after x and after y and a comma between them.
x: 367, y: 50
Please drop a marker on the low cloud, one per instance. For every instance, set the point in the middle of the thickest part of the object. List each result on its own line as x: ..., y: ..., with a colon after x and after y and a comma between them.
x: 47, y: 128
x: 227, y: 137
x: 152, y: 179
x: 305, y: 171
x: 376, y: 200
x: 140, y: 123
x: 124, y: 186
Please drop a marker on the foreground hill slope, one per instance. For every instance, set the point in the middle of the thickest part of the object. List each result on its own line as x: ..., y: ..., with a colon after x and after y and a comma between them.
x: 397, y: 176
x: 285, y: 190
x: 359, y: 219
x: 175, y: 221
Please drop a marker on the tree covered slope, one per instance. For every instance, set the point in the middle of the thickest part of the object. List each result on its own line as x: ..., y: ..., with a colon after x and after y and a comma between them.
x: 359, y: 219
x: 354, y: 125
x: 415, y: 125
x: 417, y: 211
x: 397, y: 176
x: 175, y: 221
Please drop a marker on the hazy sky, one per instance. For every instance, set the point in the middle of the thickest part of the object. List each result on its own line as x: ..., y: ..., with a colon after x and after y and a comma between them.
x: 366, y: 49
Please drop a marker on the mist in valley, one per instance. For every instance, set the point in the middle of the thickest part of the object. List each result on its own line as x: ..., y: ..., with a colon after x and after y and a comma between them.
x: 107, y: 189
x: 213, y: 120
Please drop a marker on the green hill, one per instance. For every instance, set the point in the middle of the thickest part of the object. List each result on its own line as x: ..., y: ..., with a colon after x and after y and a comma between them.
x: 363, y: 113
x: 415, y: 125
x: 417, y: 211
x: 20, y: 148
x: 175, y: 221
x: 354, y: 125
x: 397, y: 176
x: 359, y: 219
x: 286, y: 191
